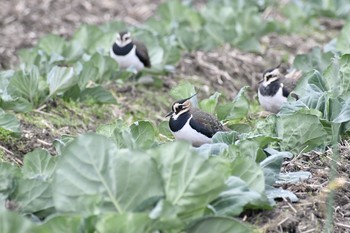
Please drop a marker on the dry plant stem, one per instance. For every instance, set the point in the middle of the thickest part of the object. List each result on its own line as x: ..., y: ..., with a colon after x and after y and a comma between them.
x: 6, y: 150
x: 290, y: 206
x: 43, y: 142
x: 214, y: 69
x: 333, y: 174
x: 342, y: 225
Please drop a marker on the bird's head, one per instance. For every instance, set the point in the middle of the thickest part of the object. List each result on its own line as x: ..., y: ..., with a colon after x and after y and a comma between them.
x: 180, y: 107
x: 123, y: 39
x: 271, y: 75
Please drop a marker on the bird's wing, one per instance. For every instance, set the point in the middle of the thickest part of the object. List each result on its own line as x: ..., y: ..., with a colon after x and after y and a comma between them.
x: 142, y: 53
x: 206, y: 123
x: 290, y: 81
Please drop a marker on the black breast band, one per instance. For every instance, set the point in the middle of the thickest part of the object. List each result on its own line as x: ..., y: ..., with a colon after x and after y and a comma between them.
x: 122, y: 51
x: 271, y: 89
x: 176, y: 125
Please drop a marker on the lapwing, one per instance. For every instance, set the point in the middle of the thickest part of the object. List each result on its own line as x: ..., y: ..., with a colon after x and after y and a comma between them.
x: 192, y: 124
x: 129, y: 53
x: 275, y: 88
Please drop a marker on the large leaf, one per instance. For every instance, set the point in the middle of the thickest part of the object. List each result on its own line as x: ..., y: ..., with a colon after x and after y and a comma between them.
x: 5, y: 78
x: 26, y: 84
x: 105, y: 65
x: 272, y: 166
x: 315, y: 60
x: 9, y: 175
x: 34, y: 192
x: 178, y: 11
x: 60, y: 79
x: 228, y: 138
x: 273, y: 193
x: 300, y: 132
x: 143, y: 133
x: 123, y: 136
x: 234, y: 16
x: 93, y: 176
x: 333, y: 79
x: 293, y: 177
x: 11, y: 222
x: 108, y: 129
x: 190, y: 181
x: 164, y: 130
x: 343, y: 40
x: 122, y: 223
x: 99, y: 95
x: 19, y: 104
x: 219, y: 225
x: 212, y: 149
x: 236, y: 110
x: 312, y: 77
x: 209, y: 105
x: 171, y: 55
x: 182, y: 91
x: 52, y: 44
x: 232, y: 201
x: 87, y: 36
x: 266, y: 126
x: 88, y: 74
x: 344, y: 74
x: 59, y: 224
x: 344, y: 115
x: 30, y: 56
x: 249, y: 171
x: 9, y: 122
x: 253, y: 145
x: 33, y: 195
x: 39, y: 164
x: 72, y: 51
x: 140, y: 134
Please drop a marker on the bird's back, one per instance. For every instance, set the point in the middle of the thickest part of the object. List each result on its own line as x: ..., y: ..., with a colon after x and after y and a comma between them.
x: 206, y: 123
x: 142, y: 53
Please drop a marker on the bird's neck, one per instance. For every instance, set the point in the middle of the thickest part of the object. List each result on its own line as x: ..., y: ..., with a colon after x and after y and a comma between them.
x: 177, y: 123
x: 121, y: 51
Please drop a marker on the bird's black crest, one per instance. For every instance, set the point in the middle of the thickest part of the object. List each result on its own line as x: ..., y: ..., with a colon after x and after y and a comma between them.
x: 270, y: 70
x: 183, y: 100
x: 123, y: 33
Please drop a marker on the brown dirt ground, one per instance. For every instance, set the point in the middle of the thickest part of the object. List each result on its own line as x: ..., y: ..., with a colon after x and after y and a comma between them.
x: 225, y: 69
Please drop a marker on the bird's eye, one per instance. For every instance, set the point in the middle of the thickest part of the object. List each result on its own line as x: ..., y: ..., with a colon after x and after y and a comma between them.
x: 126, y: 38
x: 178, y: 108
x: 268, y: 77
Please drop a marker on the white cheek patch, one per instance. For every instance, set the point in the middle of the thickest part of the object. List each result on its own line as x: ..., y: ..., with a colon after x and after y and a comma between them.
x: 266, y: 83
x: 175, y: 116
x: 125, y: 43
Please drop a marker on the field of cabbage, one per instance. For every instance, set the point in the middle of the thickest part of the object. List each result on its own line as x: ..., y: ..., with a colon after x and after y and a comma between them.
x: 85, y: 146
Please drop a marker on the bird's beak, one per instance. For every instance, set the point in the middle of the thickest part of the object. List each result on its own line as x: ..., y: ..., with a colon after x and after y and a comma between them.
x: 191, y: 96
x: 169, y: 114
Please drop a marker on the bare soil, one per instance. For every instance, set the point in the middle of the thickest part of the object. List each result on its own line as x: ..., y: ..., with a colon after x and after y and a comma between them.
x: 225, y: 69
